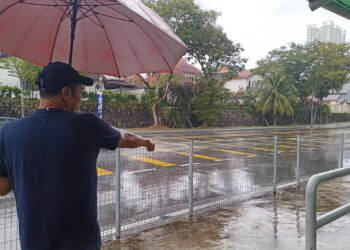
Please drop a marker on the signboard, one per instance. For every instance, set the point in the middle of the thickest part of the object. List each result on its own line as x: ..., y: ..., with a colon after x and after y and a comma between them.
x: 99, y: 104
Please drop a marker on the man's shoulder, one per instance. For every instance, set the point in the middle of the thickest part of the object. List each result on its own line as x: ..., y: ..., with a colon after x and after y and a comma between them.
x: 86, y: 117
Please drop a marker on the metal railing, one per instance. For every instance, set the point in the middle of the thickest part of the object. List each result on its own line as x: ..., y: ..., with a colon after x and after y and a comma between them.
x: 312, y: 223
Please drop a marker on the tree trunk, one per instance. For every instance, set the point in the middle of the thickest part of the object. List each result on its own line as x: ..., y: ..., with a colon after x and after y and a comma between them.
x: 312, y: 110
x: 321, y: 112
x: 315, y: 114
x: 156, y: 118
x: 155, y: 115
x: 274, y: 120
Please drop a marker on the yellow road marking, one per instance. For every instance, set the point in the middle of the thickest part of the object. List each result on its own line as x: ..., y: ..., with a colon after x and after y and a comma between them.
x: 154, y: 161
x: 180, y: 144
x: 264, y: 149
x: 210, y: 158
x: 103, y: 172
x: 235, y: 152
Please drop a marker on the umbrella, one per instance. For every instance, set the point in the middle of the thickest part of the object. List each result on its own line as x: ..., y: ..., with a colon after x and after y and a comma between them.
x: 113, y: 37
x: 340, y: 7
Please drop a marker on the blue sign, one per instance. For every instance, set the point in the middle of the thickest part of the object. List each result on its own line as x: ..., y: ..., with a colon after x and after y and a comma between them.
x: 99, y: 103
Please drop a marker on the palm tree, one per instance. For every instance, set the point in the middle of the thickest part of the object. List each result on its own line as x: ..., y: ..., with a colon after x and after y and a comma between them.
x: 276, y: 96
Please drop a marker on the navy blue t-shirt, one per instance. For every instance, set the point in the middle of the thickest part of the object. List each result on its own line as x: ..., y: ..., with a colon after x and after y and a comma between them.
x: 50, y: 158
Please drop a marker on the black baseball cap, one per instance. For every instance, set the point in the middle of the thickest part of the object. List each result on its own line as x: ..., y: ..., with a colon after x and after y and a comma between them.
x: 57, y: 75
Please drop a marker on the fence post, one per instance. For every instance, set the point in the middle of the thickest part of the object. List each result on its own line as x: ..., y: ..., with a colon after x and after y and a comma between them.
x: 275, y: 166
x: 341, y: 157
x: 190, y: 179
x: 117, y: 193
x: 298, y: 160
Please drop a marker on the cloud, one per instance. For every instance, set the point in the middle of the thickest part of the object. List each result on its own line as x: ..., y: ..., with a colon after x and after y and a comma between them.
x: 261, y: 26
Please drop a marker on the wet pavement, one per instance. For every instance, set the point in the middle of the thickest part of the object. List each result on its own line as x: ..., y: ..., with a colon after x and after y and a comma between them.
x: 266, y: 223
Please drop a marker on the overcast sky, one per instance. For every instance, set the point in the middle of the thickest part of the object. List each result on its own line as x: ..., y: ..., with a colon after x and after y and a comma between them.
x: 263, y: 25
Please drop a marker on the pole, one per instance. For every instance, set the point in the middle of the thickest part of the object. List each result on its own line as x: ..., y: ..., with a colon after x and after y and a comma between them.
x: 117, y: 193
x: 22, y: 100
x: 310, y: 217
x: 75, y: 8
x: 341, y: 157
x: 298, y: 160
x: 275, y: 166
x: 190, y: 182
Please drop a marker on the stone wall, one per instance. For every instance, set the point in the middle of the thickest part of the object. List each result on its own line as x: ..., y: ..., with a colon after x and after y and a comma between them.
x: 120, y: 116
x: 138, y: 116
x: 237, y: 117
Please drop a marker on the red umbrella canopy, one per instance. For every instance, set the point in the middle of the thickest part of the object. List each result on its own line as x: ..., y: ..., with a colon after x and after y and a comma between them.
x: 113, y: 37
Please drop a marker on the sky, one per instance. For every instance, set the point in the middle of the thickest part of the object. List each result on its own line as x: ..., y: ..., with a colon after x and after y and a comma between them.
x: 263, y: 25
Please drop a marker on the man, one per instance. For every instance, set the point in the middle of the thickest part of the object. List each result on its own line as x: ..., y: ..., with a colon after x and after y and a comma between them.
x: 49, y: 160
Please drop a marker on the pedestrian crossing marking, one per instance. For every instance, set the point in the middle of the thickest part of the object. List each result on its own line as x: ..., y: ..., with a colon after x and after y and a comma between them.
x: 205, y: 157
x: 154, y: 161
x: 264, y: 149
x: 103, y: 172
x: 235, y: 152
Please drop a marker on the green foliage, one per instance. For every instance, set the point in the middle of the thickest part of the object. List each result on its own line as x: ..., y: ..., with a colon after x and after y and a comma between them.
x: 109, y: 96
x: 208, y: 44
x: 148, y: 98
x: 277, y: 96
x: 248, y: 101
x: 10, y: 92
x: 211, y: 101
x: 26, y: 71
x: 180, y: 98
x: 315, y: 69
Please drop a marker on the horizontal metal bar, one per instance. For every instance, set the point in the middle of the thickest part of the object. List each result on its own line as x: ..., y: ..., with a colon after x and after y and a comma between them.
x: 332, y: 215
x: 316, y: 179
x: 311, y: 222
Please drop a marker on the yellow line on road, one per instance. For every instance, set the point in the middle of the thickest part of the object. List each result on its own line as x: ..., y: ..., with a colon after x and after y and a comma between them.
x: 205, y: 157
x: 154, y: 161
x: 180, y: 144
x: 264, y: 149
x: 103, y: 172
x: 235, y: 152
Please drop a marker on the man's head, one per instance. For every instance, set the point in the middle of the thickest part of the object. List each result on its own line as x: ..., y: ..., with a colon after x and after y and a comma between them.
x: 60, y: 85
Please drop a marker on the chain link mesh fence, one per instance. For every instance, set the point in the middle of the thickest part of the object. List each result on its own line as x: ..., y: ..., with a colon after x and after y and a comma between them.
x: 156, y: 188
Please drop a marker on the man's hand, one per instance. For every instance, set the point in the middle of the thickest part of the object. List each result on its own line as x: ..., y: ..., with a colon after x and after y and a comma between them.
x: 150, y: 146
x: 5, y: 186
x: 130, y: 140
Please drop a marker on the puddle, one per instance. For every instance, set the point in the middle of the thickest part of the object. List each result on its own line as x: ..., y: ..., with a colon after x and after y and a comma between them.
x: 268, y: 223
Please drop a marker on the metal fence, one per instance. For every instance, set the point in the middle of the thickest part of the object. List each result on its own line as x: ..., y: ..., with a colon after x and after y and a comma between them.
x: 139, y: 189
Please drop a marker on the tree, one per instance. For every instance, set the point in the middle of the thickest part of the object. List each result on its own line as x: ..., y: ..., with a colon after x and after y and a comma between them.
x: 316, y: 69
x: 328, y: 72
x: 277, y: 96
x: 180, y: 98
x: 210, y: 102
x: 208, y: 44
x: 26, y: 72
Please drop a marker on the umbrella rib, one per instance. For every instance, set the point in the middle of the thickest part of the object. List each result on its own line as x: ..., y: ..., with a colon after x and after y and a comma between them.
x: 166, y: 62
x: 10, y: 6
x: 97, y: 13
x: 110, y: 45
x: 58, y: 28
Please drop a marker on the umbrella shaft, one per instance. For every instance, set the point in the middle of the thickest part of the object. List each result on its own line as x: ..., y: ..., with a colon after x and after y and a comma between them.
x: 73, y: 28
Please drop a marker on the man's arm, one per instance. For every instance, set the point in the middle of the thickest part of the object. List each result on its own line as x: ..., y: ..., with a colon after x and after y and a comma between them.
x: 130, y: 140
x: 5, y: 186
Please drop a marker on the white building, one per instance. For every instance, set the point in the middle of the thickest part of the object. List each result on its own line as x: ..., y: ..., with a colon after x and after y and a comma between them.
x: 244, y: 80
x: 328, y: 32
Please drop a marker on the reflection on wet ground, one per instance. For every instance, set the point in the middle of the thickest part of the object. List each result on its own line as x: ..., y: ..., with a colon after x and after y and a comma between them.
x: 267, y: 223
